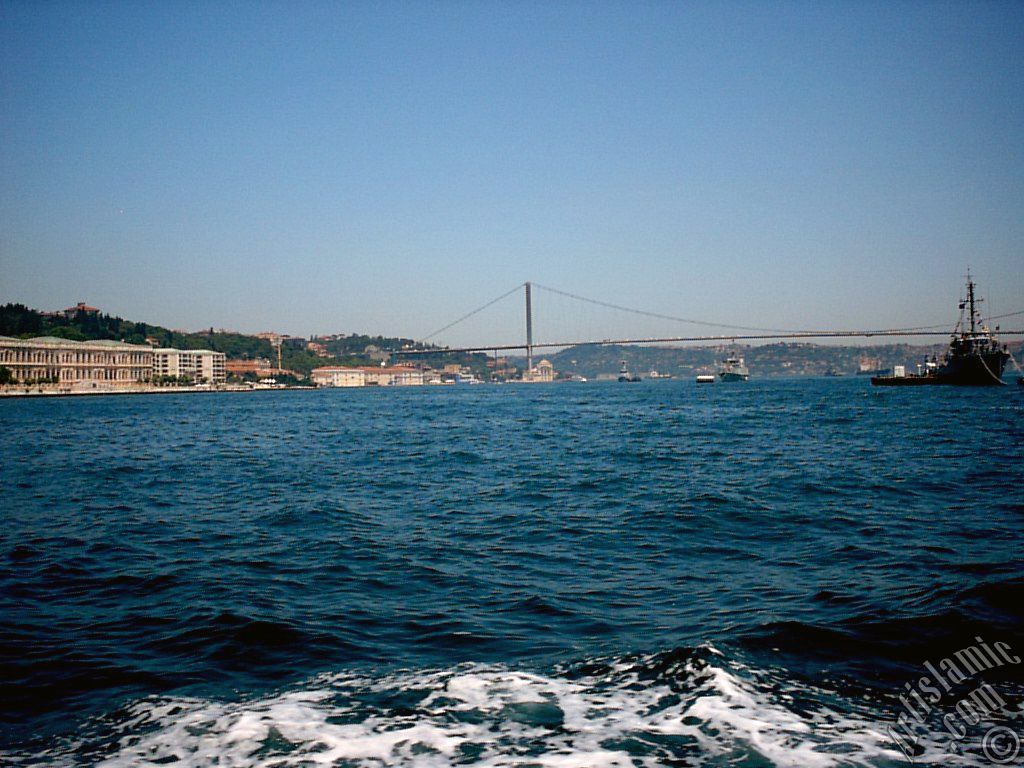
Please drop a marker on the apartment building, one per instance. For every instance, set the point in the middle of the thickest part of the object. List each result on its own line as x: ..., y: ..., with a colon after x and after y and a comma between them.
x: 202, y: 366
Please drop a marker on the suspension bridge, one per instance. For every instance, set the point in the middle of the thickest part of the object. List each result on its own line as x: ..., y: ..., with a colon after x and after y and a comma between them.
x: 727, y: 332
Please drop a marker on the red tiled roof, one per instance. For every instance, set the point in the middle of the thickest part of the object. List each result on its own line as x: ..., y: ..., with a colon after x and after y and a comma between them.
x: 82, y: 307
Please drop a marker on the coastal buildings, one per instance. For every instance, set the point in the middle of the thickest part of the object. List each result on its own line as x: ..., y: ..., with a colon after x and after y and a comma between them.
x: 103, y: 364
x: 202, y: 366
x: 544, y: 371
x: 76, y: 364
x: 395, y: 375
x: 368, y: 376
x: 260, y: 368
x: 337, y: 376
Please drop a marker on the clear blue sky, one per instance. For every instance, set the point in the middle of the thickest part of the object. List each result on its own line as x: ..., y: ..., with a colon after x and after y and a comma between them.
x: 317, y: 167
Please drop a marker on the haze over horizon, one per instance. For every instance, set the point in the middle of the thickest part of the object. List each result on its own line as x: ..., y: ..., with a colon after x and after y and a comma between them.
x: 385, y: 168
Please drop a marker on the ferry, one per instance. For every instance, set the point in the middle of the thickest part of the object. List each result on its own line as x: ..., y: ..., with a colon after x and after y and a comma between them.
x: 974, y: 357
x: 733, y: 369
x: 625, y: 375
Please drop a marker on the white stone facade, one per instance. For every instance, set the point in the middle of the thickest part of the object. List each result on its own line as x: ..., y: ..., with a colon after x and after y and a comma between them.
x: 76, y: 364
x: 397, y: 375
x: 336, y: 376
x: 339, y: 376
x: 543, y: 371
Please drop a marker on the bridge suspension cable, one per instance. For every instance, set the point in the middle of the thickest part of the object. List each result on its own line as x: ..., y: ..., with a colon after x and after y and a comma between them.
x: 729, y: 337
x: 1000, y: 317
x: 753, y: 333
x: 468, y: 315
x: 707, y: 323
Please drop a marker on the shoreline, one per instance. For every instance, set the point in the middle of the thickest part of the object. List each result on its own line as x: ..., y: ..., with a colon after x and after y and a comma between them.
x: 21, y: 393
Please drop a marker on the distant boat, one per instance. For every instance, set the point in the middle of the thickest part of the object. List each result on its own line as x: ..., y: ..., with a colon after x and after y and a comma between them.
x: 733, y: 369
x: 974, y: 357
x: 625, y: 375
x: 656, y: 375
x: 706, y: 378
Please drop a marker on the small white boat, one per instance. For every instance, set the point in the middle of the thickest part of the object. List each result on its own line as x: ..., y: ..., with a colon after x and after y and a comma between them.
x: 706, y: 378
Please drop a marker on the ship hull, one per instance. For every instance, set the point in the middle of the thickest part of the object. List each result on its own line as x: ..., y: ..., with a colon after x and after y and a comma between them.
x: 734, y: 376
x: 974, y: 371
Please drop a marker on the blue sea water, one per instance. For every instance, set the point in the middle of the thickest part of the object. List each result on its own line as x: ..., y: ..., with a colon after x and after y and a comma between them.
x: 553, y: 575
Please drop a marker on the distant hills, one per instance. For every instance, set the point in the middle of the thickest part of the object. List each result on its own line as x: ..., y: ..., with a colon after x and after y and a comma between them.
x: 767, y: 360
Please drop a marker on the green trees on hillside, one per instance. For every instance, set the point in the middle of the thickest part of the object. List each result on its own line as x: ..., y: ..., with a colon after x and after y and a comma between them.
x: 20, y: 321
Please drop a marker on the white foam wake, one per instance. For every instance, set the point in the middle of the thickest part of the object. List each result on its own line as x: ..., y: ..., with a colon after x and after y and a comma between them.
x: 714, y: 713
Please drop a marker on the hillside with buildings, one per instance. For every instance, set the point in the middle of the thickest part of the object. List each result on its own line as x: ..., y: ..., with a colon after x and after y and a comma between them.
x: 89, y: 339
x: 767, y: 360
x: 82, y: 344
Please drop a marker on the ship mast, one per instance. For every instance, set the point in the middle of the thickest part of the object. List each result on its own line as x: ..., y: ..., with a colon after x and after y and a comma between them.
x: 970, y: 299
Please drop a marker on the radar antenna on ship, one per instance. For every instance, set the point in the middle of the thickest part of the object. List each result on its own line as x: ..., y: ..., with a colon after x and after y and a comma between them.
x: 971, y: 300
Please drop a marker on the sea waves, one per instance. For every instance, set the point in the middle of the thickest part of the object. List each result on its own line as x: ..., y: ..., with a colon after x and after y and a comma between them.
x: 242, y: 590
x: 681, y: 707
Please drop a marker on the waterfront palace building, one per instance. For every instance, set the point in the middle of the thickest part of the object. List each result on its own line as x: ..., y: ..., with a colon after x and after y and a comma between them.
x: 49, y: 359
x: 338, y: 376
x: 94, y: 364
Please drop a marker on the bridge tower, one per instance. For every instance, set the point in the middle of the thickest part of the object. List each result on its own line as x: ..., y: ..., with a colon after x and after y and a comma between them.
x: 529, y: 334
